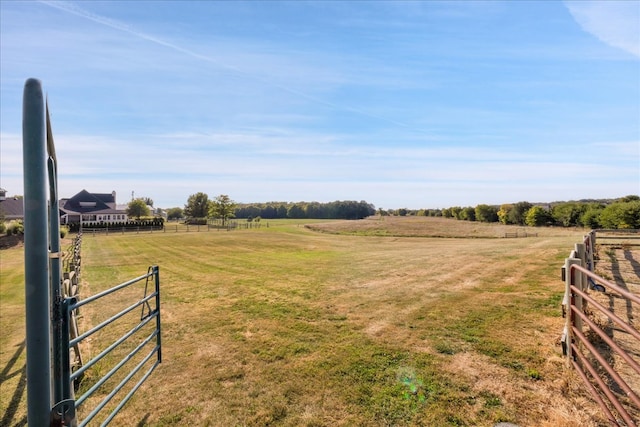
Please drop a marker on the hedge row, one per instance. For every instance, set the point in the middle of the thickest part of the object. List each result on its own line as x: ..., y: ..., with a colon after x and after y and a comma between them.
x: 156, y: 222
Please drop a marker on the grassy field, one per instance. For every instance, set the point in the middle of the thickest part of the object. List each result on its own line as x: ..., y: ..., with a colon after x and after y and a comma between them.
x: 368, y: 323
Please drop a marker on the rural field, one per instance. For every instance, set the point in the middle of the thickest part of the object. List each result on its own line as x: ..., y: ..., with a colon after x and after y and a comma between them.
x: 380, y: 322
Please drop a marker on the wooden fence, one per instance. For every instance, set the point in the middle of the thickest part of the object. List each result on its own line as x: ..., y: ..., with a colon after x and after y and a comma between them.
x: 175, y: 228
x: 618, y: 237
x: 71, y: 268
x: 601, y: 346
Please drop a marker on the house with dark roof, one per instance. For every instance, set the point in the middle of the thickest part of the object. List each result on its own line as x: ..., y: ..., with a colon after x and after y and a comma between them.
x: 11, y: 207
x: 91, y: 208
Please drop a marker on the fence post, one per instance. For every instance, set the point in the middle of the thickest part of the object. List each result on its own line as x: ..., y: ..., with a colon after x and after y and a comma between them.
x: 36, y: 256
x: 569, y: 299
x: 592, y: 246
x: 156, y: 271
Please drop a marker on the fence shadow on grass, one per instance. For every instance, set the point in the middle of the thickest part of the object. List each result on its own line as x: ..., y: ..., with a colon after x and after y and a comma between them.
x: 635, y: 264
x: 8, y: 373
x: 144, y: 420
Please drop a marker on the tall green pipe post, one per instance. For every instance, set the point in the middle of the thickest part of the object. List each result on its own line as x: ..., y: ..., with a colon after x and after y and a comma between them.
x: 60, y: 376
x: 36, y: 256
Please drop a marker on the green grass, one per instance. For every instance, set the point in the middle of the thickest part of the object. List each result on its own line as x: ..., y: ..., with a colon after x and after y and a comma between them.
x: 285, y: 326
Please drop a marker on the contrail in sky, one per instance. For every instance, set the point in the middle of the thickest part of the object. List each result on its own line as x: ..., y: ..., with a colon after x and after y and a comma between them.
x: 120, y: 26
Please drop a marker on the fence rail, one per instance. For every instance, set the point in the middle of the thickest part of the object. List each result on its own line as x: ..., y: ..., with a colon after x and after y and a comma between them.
x: 619, y: 237
x: 585, y: 341
x: 179, y: 228
x: 152, y: 315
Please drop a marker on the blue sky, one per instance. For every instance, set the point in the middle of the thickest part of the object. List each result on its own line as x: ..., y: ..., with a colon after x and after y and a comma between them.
x: 402, y: 104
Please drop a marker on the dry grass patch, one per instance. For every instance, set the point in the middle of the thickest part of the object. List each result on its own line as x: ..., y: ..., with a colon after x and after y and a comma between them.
x: 419, y: 226
x: 286, y: 326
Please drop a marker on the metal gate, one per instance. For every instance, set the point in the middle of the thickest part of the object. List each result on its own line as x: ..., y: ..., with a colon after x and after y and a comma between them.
x: 50, y: 312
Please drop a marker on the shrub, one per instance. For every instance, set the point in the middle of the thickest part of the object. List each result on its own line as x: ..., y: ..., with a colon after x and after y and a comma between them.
x: 15, y: 227
x: 3, y: 227
x: 64, y: 230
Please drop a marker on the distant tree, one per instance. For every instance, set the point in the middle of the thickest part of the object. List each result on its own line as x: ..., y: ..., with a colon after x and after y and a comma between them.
x: 197, y: 206
x: 621, y: 215
x: 364, y: 209
x: 503, y: 213
x: 313, y: 210
x: 630, y: 198
x: 295, y: 211
x: 269, y: 212
x: 148, y: 201
x: 174, y: 213
x: 455, y: 211
x: 468, y: 214
x: 222, y: 207
x: 591, y: 216
x: 402, y: 212
x: 137, y: 208
x: 537, y: 216
x: 568, y: 214
x: 486, y: 213
x: 518, y: 213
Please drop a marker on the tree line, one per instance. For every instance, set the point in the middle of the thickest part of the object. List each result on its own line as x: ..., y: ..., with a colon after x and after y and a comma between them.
x: 622, y: 213
x: 199, y: 206
x: 340, y: 209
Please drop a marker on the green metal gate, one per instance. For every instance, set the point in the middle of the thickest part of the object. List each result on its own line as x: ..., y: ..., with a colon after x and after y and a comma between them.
x: 50, y: 313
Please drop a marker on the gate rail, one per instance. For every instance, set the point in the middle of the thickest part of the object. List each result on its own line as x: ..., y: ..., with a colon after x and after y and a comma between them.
x: 618, y: 237
x: 579, y: 277
x: 148, y: 315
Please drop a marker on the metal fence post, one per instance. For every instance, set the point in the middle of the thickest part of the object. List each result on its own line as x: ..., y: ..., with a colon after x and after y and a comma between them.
x: 156, y: 271
x: 36, y: 256
x: 592, y: 246
x: 55, y: 276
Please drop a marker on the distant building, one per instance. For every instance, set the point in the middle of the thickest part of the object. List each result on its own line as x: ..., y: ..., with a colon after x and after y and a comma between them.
x: 11, y: 208
x: 91, y: 209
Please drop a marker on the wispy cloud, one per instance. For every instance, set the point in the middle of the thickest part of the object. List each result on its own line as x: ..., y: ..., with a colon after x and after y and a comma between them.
x: 615, y: 22
x: 398, y: 103
x: 117, y: 25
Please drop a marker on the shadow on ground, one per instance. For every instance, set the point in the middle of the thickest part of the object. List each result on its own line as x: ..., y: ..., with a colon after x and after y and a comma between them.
x: 10, y: 371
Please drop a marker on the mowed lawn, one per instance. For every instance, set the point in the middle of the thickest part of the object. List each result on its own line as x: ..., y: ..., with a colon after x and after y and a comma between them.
x: 287, y: 326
